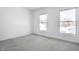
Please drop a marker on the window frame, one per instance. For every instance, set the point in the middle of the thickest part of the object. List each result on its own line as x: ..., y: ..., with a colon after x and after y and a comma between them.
x: 70, y: 21
x: 46, y: 22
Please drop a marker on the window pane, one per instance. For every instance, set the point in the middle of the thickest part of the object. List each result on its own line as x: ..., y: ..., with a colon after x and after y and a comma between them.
x: 43, y: 22
x: 43, y: 18
x: 68, y: 21
x: 68, y: 27
x: 43, y: 26
x: 68, y: 15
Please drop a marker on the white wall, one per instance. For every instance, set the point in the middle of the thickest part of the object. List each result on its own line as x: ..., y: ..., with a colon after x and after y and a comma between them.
x: 53, y: 24
x: 14, y: 22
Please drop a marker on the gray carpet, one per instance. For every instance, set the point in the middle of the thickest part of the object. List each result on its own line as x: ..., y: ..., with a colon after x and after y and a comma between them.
x: 37, y: 43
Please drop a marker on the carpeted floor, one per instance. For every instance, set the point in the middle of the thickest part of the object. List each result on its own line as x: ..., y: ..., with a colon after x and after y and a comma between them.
x: 37, y: 43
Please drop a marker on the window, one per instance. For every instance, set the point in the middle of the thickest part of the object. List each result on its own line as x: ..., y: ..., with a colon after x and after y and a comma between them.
x: 68, y: 21
x: 43, y: 22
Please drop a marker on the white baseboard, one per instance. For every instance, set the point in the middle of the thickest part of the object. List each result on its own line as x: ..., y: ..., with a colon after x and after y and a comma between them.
x: 54, y: 38
x: 18, y: 36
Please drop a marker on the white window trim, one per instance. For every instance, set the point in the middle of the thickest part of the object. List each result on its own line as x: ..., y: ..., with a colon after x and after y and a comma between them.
x: 47, y: 22
x: 75, y: 22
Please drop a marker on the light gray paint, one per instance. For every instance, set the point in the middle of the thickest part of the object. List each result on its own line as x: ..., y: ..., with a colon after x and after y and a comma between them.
x: 53, y: 24
x: 14, y: 22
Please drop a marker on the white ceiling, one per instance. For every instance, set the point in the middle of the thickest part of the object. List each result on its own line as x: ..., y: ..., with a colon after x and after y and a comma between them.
x: 36, y: 8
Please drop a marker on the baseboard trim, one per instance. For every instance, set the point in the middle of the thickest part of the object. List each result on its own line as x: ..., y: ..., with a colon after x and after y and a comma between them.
x: 55, y: 38
x: 42, y: 36
x: 15, y: 37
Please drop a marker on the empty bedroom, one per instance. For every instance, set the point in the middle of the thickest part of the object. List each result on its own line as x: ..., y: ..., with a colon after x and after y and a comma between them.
x: 39, y: 29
